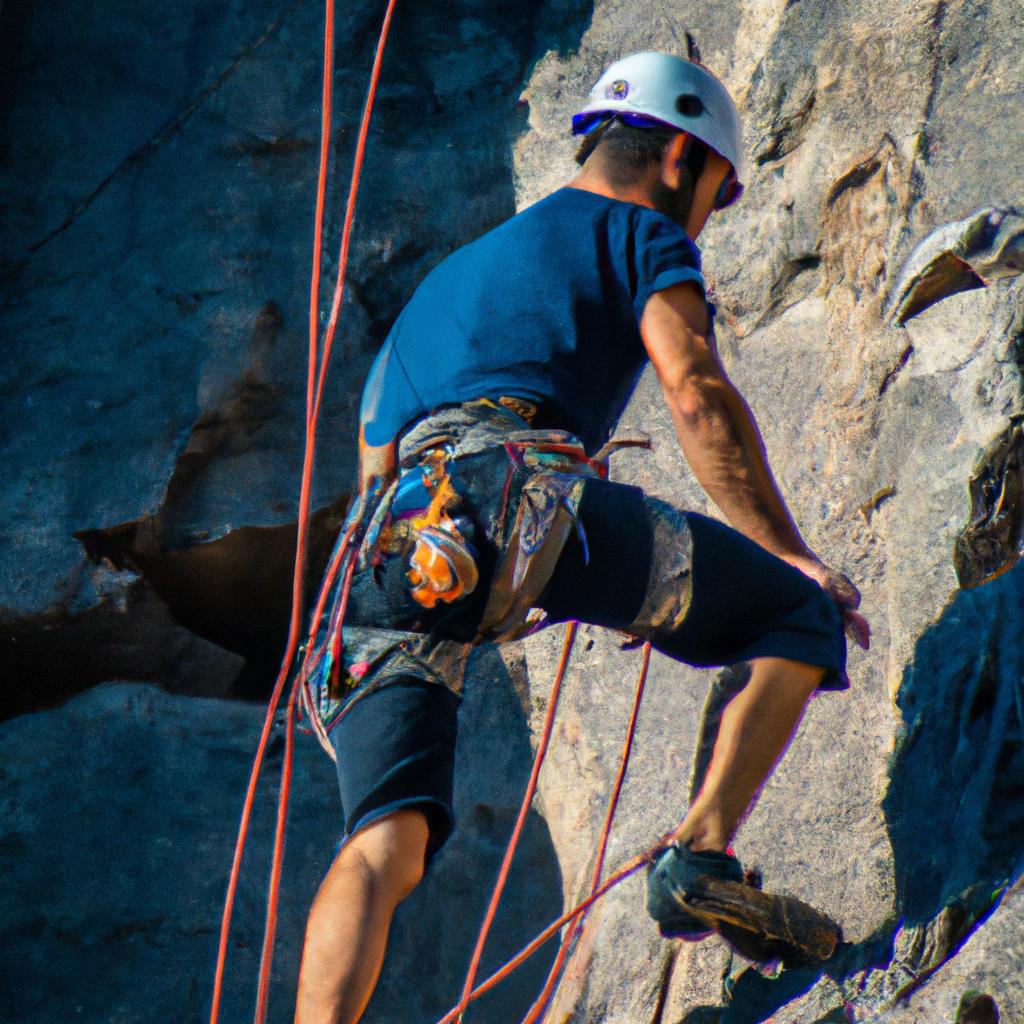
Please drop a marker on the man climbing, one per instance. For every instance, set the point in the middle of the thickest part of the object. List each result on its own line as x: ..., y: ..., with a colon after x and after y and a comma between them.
x: 484, y: 511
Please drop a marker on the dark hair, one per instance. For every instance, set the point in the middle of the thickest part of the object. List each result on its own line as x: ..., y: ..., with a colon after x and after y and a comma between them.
x: 626, y: 146
x: 627, y: 149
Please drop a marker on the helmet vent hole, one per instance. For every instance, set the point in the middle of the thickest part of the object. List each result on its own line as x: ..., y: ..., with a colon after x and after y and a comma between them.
x: 689, y: 105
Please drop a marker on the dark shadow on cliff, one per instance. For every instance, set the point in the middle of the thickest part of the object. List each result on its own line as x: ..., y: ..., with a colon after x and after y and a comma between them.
x: 116, y: 855
x: 188, y: 578
x: 213, y: 554
x: 954, y: 806
x: 206, y: 620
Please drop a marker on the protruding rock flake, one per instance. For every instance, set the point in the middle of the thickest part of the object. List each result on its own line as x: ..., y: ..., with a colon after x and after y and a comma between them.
x: 972, y: 253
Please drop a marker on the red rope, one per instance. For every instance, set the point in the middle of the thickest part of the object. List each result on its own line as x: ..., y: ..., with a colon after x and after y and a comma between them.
x: 274, y: 886
x: 314, y: 394
x: 524, y: 809
x: 350, y: 209
x: 243, y: 828
x: 321, y: 197
x: 627, y: 869
x: 310, y: 661
x: 579, y: 923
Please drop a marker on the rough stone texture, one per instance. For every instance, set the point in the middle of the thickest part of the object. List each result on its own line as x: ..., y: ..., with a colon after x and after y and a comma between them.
x: 157, y: 225
x: 853, y: 113
x: 119, y: 813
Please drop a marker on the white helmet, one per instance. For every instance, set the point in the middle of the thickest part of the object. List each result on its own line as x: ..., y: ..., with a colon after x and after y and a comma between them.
x: 671, y: 90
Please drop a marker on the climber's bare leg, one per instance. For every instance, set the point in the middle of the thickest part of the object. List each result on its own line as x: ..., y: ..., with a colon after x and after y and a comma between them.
x: 756, y: 728
x: 348, y: 924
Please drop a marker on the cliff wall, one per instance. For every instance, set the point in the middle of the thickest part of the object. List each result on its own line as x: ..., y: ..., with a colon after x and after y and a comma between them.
x: 158, y: 176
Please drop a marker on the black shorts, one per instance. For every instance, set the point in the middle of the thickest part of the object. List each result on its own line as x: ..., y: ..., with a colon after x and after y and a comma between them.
x: 396, y: 749
x: 698, y: 590
x: 744, y: 603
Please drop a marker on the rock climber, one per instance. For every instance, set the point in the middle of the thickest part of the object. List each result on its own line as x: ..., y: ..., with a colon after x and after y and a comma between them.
x: 484, y: 511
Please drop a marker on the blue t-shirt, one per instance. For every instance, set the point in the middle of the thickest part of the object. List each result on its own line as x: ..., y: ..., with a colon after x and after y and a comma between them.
x: 546, y: 306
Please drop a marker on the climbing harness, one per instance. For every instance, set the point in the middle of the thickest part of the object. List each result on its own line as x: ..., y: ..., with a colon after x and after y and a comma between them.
x: 442, y: 568
x: 471, y: 498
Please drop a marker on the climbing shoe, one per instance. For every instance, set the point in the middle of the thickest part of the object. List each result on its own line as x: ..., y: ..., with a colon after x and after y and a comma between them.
x: 672, y: 871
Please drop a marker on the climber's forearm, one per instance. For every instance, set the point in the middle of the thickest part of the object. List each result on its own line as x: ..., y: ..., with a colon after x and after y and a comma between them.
x: 722, y: 443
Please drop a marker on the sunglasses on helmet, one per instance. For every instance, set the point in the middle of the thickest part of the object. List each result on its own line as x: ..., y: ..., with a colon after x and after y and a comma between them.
x: 584, y: 124
x: 729, y: 191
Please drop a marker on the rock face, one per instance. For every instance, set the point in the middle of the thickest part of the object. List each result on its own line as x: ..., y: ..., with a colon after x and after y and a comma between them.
x: 158, y: 201
x: 115, y: 857
x: 158, y: 223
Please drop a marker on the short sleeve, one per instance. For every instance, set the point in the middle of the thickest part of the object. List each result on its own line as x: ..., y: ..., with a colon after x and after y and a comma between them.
x: 389, y: 400
x: 664, y: 256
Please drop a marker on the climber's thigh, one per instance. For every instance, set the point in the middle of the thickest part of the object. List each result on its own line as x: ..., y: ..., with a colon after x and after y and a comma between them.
x: 698, y: 590
x: 396, y: 750
x: 602, y: 573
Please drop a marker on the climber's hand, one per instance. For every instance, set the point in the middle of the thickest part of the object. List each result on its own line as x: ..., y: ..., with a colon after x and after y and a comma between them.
x: 842, y: 591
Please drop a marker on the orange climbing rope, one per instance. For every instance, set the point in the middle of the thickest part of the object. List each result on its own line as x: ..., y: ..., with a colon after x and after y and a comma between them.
x: 270, y: 928
x: 577, y: 926
x: 524, y: 808
x: 631, y: 867
x: 350, y: 209
x: 314, y: 395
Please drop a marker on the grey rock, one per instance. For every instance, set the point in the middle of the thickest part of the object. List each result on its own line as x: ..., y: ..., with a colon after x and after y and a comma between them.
x: 119, y: 817
x: 156, y: 229
x: 874, y: 434
x: 156, y: 264
x: 987, y: 246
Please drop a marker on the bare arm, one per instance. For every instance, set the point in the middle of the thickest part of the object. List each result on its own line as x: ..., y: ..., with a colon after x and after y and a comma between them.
x: 715, y: 427
x: 721, y: 440
x: 375, y: 463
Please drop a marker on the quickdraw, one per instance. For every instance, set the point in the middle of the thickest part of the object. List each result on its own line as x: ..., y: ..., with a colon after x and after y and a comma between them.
x: 442, y: 565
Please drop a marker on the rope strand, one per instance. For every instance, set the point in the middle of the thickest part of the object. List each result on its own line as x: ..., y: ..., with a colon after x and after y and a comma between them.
x: 315, y: 383
x: 350, y: 207
x: 317, y: 367
x: 274, y: 885
x: 531, y: 788
x: 579, y: 924
x: 619, y: 876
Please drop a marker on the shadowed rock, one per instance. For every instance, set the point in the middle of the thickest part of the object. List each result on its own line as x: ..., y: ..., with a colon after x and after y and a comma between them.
x: 977, y: 1008
x: 955, y: 802
x: 115, y: 858
x: 991, y: 543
